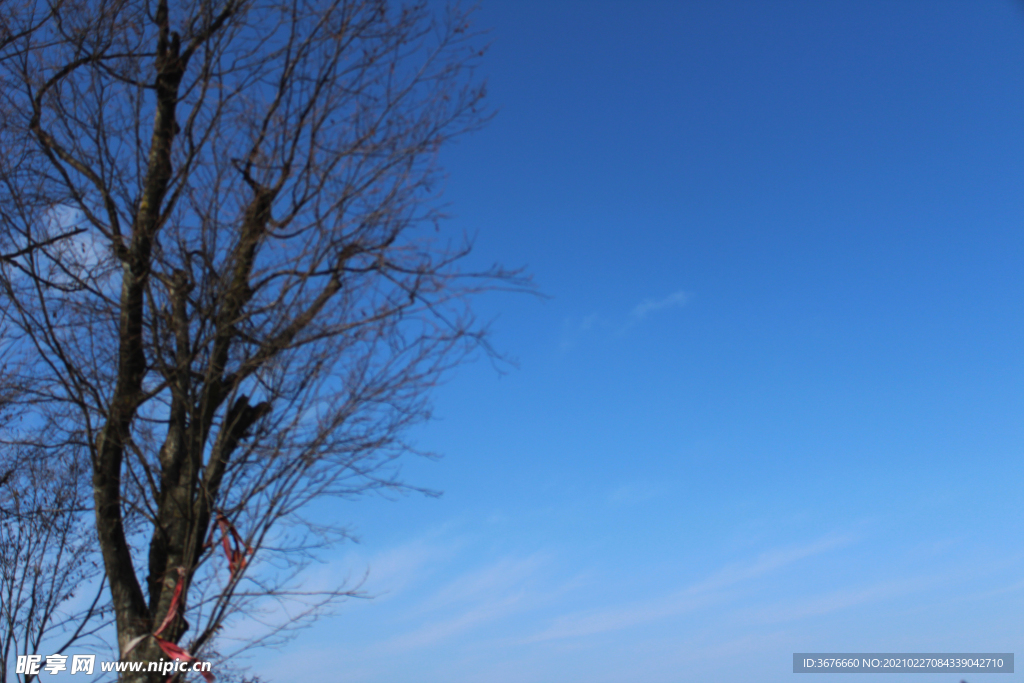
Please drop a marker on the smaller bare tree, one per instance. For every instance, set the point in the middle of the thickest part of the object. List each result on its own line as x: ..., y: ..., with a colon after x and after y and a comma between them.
x: 51, y: 591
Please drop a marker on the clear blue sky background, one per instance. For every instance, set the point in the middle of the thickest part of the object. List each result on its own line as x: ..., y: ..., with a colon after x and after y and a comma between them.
x: 775, y: 402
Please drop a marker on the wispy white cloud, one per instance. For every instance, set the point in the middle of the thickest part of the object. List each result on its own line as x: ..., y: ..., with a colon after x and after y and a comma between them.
x: 392, y: 571
x: 454, y: 618
x: 381, y: 576
x: 818, y: 605
x: 505, y: 574
x: 442, y: 629
x: 713, y: 589
x: 648, y: 306
x: 488, y: 594
x: 574, y: 328
x: 770, y: 561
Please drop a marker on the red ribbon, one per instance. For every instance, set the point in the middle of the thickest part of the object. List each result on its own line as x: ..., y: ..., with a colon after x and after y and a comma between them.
x: 175, y: 652
x: 235, y: 547
x: 170, y: 649
x: 172, y: 611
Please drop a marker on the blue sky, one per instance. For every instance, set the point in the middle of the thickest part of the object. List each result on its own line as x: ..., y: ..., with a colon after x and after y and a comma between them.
x: 775, y: 401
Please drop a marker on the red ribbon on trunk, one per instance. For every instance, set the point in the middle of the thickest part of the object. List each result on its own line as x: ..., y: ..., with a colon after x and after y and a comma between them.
x: 235, y: 549
x: 175, y: 652
x: 170, y: 649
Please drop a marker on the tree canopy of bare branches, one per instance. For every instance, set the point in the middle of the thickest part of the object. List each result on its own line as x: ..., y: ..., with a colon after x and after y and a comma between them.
x: 224, y: 286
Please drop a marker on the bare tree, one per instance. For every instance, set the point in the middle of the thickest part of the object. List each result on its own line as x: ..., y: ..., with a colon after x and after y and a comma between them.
x: 227, y: 291
x: 49, y: 592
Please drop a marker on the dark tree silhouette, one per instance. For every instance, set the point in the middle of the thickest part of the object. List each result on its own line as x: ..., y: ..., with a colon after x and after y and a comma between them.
x: 224, y: 287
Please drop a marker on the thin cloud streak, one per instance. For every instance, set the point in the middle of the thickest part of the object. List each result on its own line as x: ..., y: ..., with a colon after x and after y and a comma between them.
x: 701, y: 594
x: 575, y: 328
x: 648, y: 306
x: 820, y: 605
